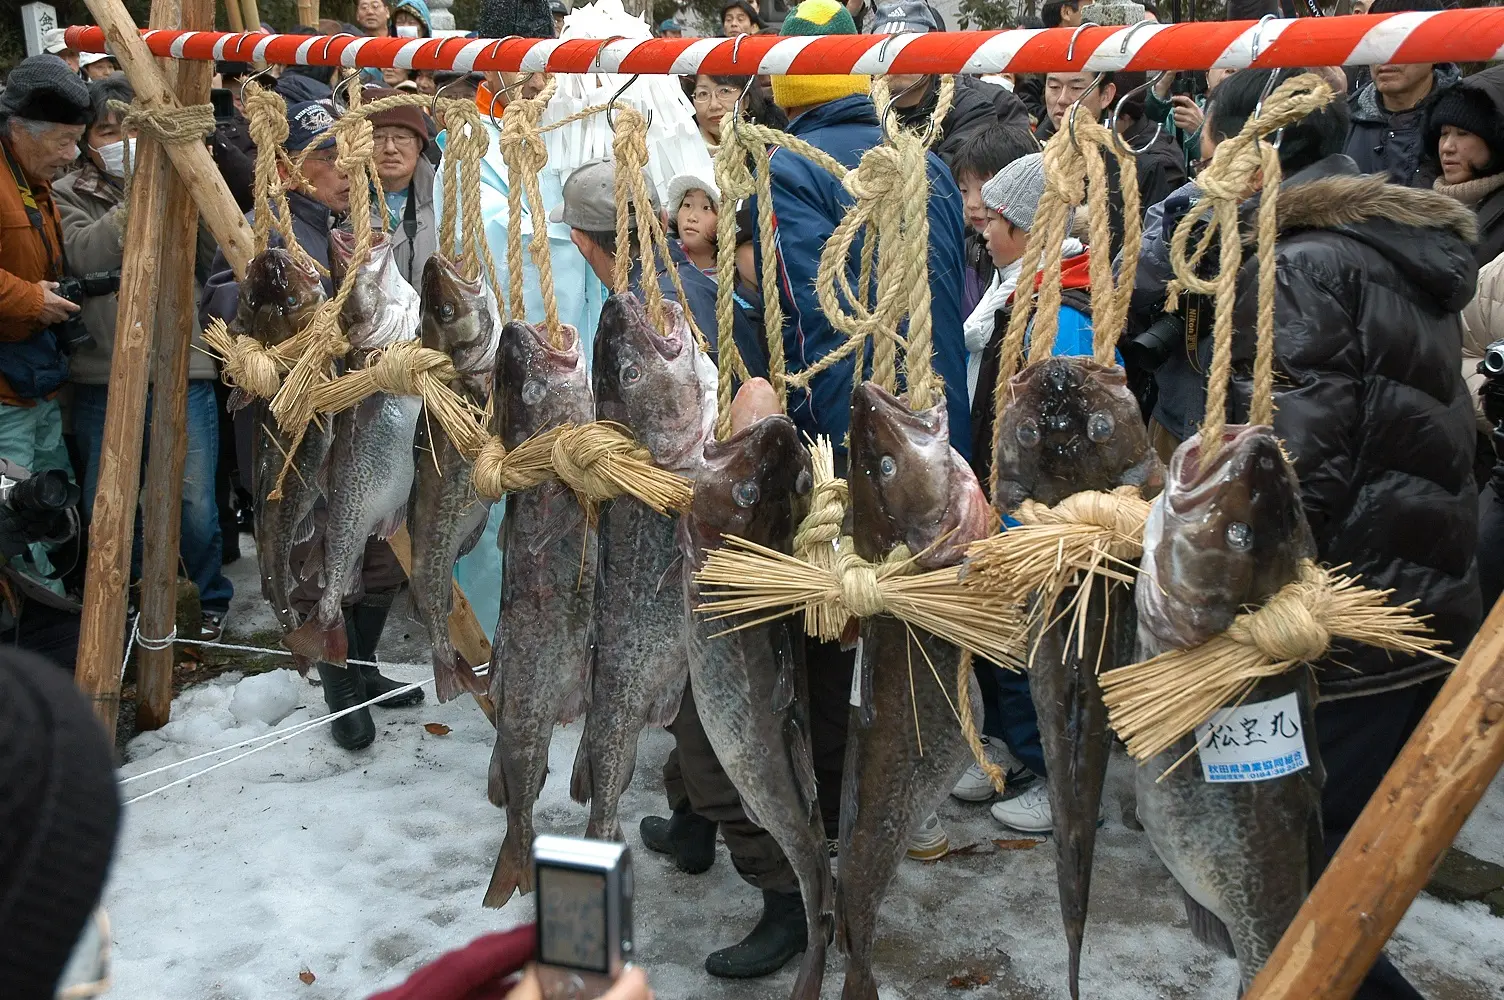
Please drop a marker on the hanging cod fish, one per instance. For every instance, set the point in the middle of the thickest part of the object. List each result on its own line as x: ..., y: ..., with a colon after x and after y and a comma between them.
x: 1072, y: 426
x: 540, y: 661
x: 1219, y: 540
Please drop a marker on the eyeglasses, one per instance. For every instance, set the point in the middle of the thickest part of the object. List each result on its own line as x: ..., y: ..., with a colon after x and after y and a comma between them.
x: 322, y: 157
x: 724, y: 96
x: 400, y: 137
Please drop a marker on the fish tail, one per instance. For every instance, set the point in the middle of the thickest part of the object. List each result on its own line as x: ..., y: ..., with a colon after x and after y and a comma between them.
x: 314, y: 640
x: 514, y: 870
x: 580, y: 783
x: 452, y: 676
x: 1073, y: 936
x: 860, y: 983
x: 820, y: 923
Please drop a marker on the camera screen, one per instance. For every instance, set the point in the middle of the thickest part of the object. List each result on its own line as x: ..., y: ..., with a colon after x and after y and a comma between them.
x: 572, y: 918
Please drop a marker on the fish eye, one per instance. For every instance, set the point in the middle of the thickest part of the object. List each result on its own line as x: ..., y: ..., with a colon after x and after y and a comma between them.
x: 1099, y: 426
x: 1239, y: 536
x: 533, y: 391
x: 630, y: 374
x: 745, y: 493
x: 446, y: 311
x: 887, y: 467
x: 1028, y: 433
x: 292, y: 300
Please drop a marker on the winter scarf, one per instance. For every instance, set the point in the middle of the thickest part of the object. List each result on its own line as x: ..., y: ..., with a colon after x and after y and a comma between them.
x: 1472, y: 192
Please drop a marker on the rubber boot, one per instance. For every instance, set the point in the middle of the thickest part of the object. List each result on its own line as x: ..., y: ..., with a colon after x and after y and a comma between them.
x: 344, y: 687
x: 779, y: 936
x: 363, y: 625
x: 687, y: 836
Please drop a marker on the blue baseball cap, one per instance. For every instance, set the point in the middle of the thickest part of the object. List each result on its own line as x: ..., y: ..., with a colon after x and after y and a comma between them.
x: 308, y: 124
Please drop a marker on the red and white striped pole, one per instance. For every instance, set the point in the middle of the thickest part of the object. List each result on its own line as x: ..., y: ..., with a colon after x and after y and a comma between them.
x: 1475, y: 35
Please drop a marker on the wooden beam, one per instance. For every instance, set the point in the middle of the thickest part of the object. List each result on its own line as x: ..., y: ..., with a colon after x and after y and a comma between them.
x: 232, y: 15
x: 176, y: 306
x: 195, y: 167
x: 469, y: 639
x: 107, y: 573
x: 251, y: 14
x: 1401, y: 835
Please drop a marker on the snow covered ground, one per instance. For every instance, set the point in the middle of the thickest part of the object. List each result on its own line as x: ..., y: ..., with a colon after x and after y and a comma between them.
x: 357, y: 868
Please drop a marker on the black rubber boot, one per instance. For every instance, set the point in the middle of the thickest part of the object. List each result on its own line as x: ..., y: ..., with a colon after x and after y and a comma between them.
x: 363, y: 625
x: 777, y: 938
x: 344, y: 687
x: 686, y: 836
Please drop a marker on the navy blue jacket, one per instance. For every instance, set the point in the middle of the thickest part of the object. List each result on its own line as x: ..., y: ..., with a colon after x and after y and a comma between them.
x: 700, y: 296
x: 808, y: 204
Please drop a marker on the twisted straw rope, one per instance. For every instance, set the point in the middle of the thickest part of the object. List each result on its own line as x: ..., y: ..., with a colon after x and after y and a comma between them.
x: 266, y: 113
x: 177, y: 125
x: 599, y: 461
x: 1239, y: 165
x: 525, y: 153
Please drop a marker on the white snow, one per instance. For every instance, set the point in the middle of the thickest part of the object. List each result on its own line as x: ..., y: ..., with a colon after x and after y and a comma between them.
x: 361, y: 867
x: 266, y: 698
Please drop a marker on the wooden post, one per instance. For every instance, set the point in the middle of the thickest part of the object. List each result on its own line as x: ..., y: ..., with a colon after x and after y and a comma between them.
x: 469, y: 639
x: 308, y: 13
x: 107, y: 575
x: 1401, y: 835
x: 232, y: 15
x: 195, y: 167
x: 176, y: 306
x: 251, y: 14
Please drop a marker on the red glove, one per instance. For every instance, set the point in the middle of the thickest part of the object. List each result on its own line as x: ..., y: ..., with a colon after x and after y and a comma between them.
x: 482, y: 970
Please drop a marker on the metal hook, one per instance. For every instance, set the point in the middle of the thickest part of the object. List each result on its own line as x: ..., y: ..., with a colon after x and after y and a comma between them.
x: 1128, y: 36
x: 497, y: 94
x: 1258, y: 109
x: 892, y: 107
x: 433, y: 106
x: 247, y: 81
x: 346, y: 81
x: 736, y: 46
x: 1070, y: 112
x: 329, y: 40
x: 611, y: 104
x: 882, y: 50
x: 736, y: 109
x: 1070, y: 50
x: 1112, y: 125
x: 1258, y: 33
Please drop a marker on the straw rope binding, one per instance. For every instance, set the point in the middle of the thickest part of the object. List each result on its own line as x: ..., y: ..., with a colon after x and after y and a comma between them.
x: 599, y: 461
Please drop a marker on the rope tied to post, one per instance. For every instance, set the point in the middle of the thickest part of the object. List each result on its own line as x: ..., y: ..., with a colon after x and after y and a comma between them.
x: 175, y: 125
x: 1241, y: 165
x: 1298, y: 625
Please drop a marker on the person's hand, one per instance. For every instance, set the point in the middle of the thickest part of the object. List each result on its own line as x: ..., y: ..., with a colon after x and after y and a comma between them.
x: 1188, y: 117
x: 633, y: 985
x: 55, y: 308
x: 1163, y: 84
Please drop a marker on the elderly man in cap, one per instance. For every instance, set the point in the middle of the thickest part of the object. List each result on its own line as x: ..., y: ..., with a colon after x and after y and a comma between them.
x: 43, y: 113
x: 318, y: 205
x: 976, y: 104
x: 400, y: 137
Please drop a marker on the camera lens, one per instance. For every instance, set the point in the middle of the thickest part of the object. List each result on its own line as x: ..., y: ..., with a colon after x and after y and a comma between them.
x: 1493, y: 359
x: 1150, y: 349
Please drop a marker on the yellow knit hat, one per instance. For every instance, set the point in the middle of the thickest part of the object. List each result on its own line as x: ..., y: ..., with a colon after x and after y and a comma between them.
x: 818, y: 17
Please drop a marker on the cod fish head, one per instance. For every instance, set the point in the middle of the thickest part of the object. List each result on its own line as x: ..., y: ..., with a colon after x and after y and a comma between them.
x: 378, y: 309
x: 1071, y: 425
x: 278, y: 297
x: 538, y: 385
x: 648, y: 380
x: 1233, y: 530
x: 746, y: 485
x: 908, y: 485
x: 459, y: 319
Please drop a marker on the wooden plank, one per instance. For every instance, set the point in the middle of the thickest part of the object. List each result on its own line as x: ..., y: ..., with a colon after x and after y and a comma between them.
x: 195, y: 167
x: 232, y: 15
x: 107, y: 573
x: 1401, y: 835
x: 176, y: 305
x: 469, y: 639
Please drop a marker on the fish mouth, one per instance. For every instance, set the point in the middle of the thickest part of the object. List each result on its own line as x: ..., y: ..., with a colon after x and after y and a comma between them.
x: 1247, y: 450
x: 890, y: 412
x: 342, y: 249
x: 443, y: 280
x: 628, y: 311
x: 756, y: 436
x: 564, y: 358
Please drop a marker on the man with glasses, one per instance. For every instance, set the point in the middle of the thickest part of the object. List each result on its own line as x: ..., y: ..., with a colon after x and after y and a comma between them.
x: 399, y: 137
x: 43, y: 113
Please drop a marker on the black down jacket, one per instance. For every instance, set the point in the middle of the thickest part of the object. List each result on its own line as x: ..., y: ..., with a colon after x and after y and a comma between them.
x: 1391, y: 142
x: 1369, y: 397
x: 975, y: 105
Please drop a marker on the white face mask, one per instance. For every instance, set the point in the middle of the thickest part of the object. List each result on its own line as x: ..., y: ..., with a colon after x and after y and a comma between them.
x: 407, y: 31
x: 112, y: 156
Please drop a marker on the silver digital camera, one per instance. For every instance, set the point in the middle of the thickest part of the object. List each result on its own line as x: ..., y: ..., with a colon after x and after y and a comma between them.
x: 584, y: 915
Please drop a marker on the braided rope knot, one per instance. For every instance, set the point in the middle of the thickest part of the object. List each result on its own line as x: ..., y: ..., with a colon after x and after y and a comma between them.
x: 407, y: 367
x: 251, y: 366
x: 177, y: 125
x: 498, y: 471
x: 861, y: 582
x: 1120, y: 514
x: 827, y: 512
x: 1291, y: 627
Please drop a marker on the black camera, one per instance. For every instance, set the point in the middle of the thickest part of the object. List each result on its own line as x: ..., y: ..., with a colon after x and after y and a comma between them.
x: 71, y: 333
x: 45, y: 492
x: 1492, y: 364
x: 1153, y: 347
x: 35, y: 508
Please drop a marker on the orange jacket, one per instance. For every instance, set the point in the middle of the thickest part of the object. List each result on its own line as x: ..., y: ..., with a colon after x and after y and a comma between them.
x: 24, y: 261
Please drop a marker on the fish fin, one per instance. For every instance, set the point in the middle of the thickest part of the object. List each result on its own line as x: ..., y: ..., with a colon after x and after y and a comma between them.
x: 452, y: 677
x: 387, y: 526
x: 313, y: 565
x: 304, y: 532
x: 672, y: 575
x: 802, y: 763
x: 577, y: 701
x: 866, y: 712
x: 514, y: 869
x: 239, y: 400
x: 580, y: 784
x: 471, y: 540
x: 302, y: 663
x: 317, y: 641
x: 812, y: 968
x: 663, y: 711
x: 850, y: 789
x: 565, y: 514
x: 1206, y: 926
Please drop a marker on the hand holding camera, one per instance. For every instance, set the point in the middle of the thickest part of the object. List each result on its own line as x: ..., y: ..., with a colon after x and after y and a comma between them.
x: 55, y: 308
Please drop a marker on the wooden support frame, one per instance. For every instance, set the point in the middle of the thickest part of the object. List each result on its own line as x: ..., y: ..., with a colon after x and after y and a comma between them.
x: 162, y: 520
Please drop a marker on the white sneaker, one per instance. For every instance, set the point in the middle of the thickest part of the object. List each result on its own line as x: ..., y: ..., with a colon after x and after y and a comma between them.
x: 974, y: 785
x: 1028, y: 811
x: 928, y: 842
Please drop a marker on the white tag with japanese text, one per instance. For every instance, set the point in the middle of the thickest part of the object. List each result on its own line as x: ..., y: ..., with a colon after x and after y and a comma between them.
x: 856, y: 677
x: 1254, y: 741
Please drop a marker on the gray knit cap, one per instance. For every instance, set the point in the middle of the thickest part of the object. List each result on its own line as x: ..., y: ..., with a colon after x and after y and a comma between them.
x: 1015, y: 190
x: 44, y: 89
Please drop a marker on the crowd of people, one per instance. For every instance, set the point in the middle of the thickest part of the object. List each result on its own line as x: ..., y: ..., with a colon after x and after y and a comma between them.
x: 1390, y: 301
